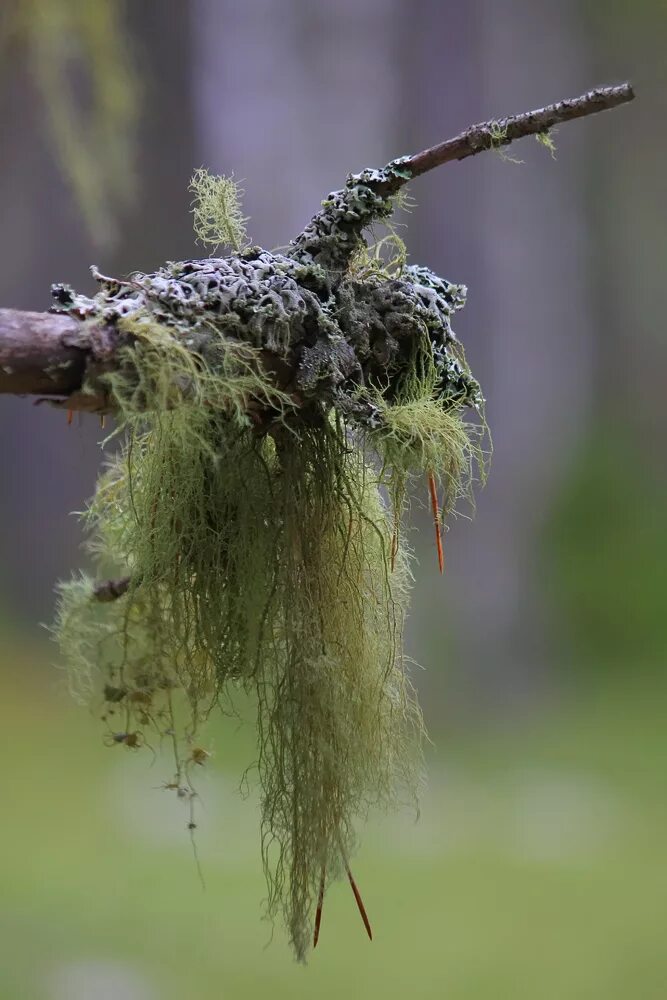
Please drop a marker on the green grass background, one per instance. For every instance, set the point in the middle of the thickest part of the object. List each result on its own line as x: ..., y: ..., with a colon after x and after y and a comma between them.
x: 536, y: 869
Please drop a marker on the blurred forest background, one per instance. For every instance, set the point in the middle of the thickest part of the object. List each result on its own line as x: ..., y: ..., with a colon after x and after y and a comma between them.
x: 537, y: 869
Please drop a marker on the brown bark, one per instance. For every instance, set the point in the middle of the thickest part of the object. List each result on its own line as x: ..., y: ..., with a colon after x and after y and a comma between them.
x: 37, y: 354
x: 52, y: 356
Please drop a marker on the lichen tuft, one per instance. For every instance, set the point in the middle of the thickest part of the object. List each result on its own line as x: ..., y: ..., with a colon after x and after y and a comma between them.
x: 216, y: 207
x: 271, y: 410
x: 546, y: 139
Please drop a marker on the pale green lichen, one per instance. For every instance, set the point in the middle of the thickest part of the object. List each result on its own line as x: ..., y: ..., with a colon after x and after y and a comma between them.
x: 80, y: 59
x: 259, y: 560
x: 385, y: 258
x: 546, y: 139
x: 218, y: 218
x: 498, y: 134
x: 268, y: 408
x: 419, y: 431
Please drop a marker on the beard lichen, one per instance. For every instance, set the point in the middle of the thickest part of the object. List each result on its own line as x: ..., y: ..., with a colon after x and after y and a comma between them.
x: 271, y: 409
x: 81, y: 62
x: 216, y: 208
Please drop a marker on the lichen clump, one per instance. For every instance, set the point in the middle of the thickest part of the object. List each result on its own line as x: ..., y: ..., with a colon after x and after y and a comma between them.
x: 271, y: 410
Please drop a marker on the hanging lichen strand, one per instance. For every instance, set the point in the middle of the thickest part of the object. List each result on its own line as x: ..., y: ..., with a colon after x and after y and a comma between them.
x: 272, y: 408
x: 81, y: 63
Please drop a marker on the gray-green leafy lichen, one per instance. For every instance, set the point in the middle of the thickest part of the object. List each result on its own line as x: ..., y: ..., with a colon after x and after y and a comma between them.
x: 333, y: 235
x: 330, y: 333
x: 331, y: 337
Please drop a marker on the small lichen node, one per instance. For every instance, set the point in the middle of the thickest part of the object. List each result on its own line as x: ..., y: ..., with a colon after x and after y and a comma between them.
x: 218, y: 219
x: 546, y: 139
x: 272, y: 410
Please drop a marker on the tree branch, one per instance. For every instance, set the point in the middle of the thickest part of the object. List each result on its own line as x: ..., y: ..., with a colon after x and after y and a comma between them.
x: 51, y: 355
x: 501, y: 132
x: 54, y: 355
x: 36, y: 355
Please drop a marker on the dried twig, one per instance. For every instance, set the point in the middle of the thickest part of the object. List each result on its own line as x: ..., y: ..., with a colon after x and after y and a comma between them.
x: 501, y: 132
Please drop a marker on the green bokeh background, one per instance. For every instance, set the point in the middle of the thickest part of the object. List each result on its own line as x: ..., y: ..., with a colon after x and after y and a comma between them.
x: 536, y: 868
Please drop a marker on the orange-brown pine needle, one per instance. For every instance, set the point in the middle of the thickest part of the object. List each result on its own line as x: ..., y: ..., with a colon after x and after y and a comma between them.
x: 70, y: 417
x: 433, y: 491
x: 318, y: 912
x: 360, y: 902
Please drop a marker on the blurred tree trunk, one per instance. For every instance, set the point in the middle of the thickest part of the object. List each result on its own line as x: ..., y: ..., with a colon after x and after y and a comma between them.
x: 284, y: 92
x: 626, y: 181
x: 611, y: 539
x: 53, y: 468
x: 503, y: 230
